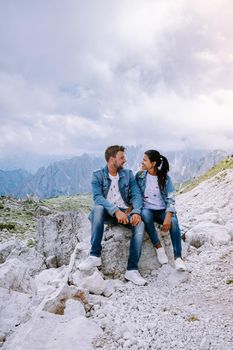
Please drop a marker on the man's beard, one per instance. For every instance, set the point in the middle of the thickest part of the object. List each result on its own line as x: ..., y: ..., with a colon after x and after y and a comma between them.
x: 119, y: 167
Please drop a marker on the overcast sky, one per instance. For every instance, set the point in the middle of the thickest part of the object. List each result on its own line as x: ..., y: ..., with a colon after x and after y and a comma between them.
x: 77, y: 76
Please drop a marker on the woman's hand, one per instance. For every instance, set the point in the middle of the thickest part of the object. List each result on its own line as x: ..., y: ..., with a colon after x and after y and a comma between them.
x: 167, y: 222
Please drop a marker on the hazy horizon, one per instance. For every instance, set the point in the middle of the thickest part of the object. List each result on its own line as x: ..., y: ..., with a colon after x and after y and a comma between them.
x: 31, y: 162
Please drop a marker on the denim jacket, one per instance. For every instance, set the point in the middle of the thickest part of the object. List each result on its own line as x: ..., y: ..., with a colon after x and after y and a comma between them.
x: 168, y: 192
x: 128, y: 188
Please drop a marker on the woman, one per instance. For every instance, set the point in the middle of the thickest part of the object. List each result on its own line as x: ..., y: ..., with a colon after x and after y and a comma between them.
x: 159, y: 204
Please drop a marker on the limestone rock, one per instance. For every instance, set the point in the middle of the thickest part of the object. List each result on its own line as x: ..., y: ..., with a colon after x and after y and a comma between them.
x: 6, y: 248
x: 58, y: 234
x: 56, y: 302
x: 116, y: 251
x: 50, y: 331
x: 16, y: 308
x: 29, y: 256
x: 14, y: 275
x: 42, y: 211
x: 48, y: 280
x: 95, y: 283
x: 208, y: 232
x: 51, y: 261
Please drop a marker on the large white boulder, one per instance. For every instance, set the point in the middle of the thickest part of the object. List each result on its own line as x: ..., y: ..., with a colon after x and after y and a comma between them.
x: 51, y: 331
x: 48, y: 280
x: 14, y: 248
x: 115, y: 252
x: 16, y: 308
x: 58, y: 234
x: 29, y: 256
x: 14, y: 275
x: 92, y: 281
x: 6, y: 248
x: 208, y: 232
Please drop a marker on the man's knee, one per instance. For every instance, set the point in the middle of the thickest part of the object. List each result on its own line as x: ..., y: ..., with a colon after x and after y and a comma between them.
x: 139, y: 230
x: 97, y: 212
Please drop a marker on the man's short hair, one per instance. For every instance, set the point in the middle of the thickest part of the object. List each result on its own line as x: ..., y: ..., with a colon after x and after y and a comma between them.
x: 111, y: 151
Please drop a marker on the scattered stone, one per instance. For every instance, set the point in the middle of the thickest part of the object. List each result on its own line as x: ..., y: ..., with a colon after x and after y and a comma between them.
x: 51, y: 262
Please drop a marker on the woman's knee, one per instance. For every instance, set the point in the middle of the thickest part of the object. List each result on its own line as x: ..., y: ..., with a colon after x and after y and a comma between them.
x: 174, y: 220
x: 146, y: 214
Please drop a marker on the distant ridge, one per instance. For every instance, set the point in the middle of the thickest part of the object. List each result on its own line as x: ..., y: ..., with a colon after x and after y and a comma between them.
x: 73, y: 176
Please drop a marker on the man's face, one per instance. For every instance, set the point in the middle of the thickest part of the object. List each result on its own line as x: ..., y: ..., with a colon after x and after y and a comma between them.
x: 119, y: 160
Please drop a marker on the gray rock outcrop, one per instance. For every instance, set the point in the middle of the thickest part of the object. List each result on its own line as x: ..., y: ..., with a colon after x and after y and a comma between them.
x: 115, y: 252
x: 58, y: 234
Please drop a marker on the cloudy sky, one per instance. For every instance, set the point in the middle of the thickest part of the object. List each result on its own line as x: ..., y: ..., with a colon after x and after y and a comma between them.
x: 77, y: 76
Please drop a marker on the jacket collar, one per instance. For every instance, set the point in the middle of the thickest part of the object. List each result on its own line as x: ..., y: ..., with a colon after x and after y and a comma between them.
x: 142, y: 174
x: 106, y: 172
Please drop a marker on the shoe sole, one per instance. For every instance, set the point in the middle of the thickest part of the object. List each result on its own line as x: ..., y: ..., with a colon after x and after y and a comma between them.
x: 163, y: 263
x: 137, y: 284
x: 89, y: 268
x: 181, y: 269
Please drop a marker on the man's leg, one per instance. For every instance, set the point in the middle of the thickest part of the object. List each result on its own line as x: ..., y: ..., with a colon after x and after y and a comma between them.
x: 135, y: 246
x: 98, y: 216
x: 132, y: 273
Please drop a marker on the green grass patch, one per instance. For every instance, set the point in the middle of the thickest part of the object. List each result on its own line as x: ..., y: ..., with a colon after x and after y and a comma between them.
x: 70, y: 203
x: 9, y: 226
x: 225, y: 164
x: 31, y: 243
x: 229, y: 281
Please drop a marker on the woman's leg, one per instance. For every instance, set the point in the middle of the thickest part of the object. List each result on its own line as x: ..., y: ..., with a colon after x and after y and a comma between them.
x: 176, y: 237
x: 148, y: 218
x: 175, y: 233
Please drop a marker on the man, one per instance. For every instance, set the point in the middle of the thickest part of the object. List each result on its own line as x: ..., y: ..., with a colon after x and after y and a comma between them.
x: 117, y: 200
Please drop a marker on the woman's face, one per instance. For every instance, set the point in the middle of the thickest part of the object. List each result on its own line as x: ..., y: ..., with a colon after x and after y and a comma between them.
x: 147, y: 164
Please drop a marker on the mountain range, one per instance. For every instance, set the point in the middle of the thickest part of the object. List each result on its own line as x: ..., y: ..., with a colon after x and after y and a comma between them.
x: 73, y: 176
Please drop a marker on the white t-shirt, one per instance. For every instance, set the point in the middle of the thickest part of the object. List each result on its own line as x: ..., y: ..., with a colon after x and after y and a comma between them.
x: 114, y: 195
x: 152, y: 197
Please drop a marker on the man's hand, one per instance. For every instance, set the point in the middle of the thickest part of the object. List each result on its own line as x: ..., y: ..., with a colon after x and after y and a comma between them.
x: 121, y: 217
x: 167, y: 222
x: 135, y: 219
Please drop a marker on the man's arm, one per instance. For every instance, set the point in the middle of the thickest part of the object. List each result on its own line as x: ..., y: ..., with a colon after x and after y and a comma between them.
x: 97, y: 193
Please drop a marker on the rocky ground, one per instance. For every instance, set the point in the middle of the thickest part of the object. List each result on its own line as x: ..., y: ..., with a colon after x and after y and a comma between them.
x: 191, y: 310
x: 46, y: 303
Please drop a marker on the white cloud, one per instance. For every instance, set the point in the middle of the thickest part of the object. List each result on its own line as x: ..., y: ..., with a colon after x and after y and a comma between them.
x: 76, y: 76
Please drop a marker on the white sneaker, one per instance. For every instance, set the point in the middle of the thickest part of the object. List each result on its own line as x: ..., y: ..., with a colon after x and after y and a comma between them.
x: 135, y: 277
x: 89, y: 263
x: 180, y: 265
x: 161, y: 256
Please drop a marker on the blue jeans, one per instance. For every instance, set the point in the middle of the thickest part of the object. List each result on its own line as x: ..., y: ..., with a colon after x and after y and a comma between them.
x: 98, y: 217
x: 150, y: 216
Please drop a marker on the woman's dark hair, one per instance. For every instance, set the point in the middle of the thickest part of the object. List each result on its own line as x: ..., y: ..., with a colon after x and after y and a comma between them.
x: 161, y: 165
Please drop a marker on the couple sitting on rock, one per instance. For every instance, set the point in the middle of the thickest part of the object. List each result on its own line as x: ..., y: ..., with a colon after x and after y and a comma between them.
x: 136, y: 202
